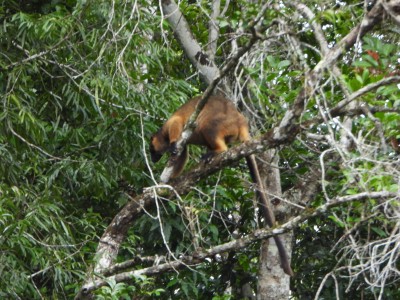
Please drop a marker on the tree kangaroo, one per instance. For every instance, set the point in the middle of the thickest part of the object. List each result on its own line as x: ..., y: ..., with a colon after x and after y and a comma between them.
x: 218, y: 124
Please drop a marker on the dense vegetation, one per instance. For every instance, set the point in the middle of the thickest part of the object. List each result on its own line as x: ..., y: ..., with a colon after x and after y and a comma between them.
x: 83, y: 85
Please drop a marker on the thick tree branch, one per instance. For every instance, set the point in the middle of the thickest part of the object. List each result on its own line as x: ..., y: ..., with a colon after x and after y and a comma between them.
x: 129, y: 264
x: 207, y: 68
x: 117, y: 229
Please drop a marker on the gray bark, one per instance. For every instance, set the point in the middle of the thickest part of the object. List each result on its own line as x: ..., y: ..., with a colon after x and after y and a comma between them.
x: 273, y: 283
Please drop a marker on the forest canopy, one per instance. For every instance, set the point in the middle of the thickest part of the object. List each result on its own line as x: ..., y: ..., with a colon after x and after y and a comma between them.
x: 84, y: 84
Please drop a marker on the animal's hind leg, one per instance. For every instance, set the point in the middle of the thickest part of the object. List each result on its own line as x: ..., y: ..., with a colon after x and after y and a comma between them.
x: 215, y: 145
x: 244, y: 134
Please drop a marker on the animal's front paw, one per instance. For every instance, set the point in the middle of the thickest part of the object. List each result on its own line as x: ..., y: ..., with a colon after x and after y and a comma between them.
x: 208, y: 157
x: 173, y: 149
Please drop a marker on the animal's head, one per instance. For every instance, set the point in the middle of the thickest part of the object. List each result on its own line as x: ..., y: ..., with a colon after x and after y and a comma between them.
x: 158, y: 146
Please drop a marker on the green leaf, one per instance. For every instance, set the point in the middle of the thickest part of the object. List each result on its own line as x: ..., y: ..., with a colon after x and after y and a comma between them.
x: 284, y: 63
x: 379, y: 231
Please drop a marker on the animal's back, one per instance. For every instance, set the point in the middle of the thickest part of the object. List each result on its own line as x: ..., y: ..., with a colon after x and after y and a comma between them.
x: 220, y: 119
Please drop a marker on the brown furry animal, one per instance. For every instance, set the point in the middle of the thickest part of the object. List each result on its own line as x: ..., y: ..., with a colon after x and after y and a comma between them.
x: 218, y: 124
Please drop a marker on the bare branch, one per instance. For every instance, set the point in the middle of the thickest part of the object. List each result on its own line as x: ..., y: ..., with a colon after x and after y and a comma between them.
x: 366, y: 89
x: 259, y: 234
x: 213, y: 29
x: 317, y: 30
x: 341, y: 110
x: 206, y: 66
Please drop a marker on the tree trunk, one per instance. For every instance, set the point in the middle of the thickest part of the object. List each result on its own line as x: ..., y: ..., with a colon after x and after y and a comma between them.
x: 273, y: 283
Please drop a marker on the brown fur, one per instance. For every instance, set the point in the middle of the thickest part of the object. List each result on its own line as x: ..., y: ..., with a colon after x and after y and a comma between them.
x: 218, y: 124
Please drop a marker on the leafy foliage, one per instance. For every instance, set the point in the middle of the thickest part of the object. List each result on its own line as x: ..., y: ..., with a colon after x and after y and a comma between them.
x: 73, y: 103
x: 83, y: 83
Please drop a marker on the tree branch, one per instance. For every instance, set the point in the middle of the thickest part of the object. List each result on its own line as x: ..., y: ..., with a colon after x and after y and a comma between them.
x: 341, y: 110
x: 392, y: 8
x: 207, y: 68
x: 257, y: 235
x: 362, y: 91
x: 213, y: 29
